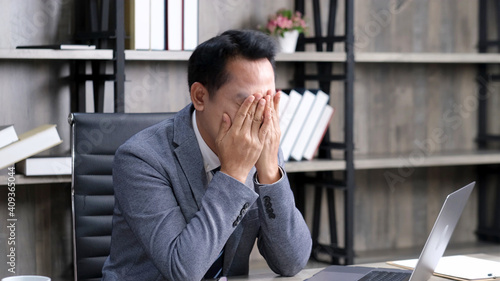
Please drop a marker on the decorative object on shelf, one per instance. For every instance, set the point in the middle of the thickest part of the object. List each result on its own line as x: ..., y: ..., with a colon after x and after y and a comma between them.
x: 286, y: 26
x: 288, y: 42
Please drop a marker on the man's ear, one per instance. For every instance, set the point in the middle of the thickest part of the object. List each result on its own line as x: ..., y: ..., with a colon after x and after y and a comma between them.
x: 199, y: 96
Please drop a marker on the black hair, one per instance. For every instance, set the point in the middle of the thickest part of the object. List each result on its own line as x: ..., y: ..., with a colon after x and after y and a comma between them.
x: 207, y: 64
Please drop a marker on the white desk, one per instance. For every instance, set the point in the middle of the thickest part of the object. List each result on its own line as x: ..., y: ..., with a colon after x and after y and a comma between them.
x: 304, y: 274
x: 307, y: 273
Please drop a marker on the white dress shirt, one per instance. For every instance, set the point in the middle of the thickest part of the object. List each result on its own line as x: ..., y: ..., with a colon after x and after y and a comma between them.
x: 210, y: 159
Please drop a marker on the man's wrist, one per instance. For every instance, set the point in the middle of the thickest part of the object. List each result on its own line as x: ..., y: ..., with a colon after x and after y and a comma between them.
x: 269, y: 178
x: 237, y: 177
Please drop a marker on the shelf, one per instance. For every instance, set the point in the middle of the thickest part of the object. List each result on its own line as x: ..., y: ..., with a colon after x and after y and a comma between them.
x: 316, y: 165
x: 372, y: 57
x: 48, y: 54
x: 363, y: 162
x: 24, y: 180
x: 312, y: 57
x: 463, y: 58
x: 433, y: 160
x: 132, y: 55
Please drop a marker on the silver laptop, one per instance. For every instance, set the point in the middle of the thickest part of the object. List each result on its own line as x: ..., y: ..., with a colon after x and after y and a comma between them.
x: 433, y: 250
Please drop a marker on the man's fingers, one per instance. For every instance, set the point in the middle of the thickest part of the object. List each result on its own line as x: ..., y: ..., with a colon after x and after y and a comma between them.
x: 266, y: 126
x: 224, y: 127
x: 258, y: 117
x: 274, y: 107
x: 241, y: 115
x: 251, y: 113
x: 276, y: 101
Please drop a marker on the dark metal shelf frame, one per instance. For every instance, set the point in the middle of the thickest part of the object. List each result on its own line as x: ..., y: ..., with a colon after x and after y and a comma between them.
x: 488, y: 214
x: 327, y: 180
x: 100, y: 23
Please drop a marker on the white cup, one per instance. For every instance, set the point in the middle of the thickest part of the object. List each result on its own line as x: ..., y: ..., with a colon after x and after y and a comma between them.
x: 26, y: 278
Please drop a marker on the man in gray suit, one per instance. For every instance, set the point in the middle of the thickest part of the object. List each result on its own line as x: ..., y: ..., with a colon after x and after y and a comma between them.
x: 177, y: 216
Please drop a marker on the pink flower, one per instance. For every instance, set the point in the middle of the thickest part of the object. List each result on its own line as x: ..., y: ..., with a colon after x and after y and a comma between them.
x: 271, y: 26
x: 284, y: 23
x: 284, y: 20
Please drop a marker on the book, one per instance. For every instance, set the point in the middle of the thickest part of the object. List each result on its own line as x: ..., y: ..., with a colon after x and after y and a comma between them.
x: 60, y: 47
x: 285, y: 118
x: 137, y: 24
x: 175, y: 25
x: 29, y: 144
x: 459, y: 267
x: 157, y: 25
x: 8, y: 135
x: 190, y: 27
x: 296, y: 123
x: 309, y: 125
x: 45, y: 166
x: 283, y: 103
x: 319, y: 132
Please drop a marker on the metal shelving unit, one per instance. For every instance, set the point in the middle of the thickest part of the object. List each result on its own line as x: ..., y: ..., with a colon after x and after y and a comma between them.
x: 336, y: 57
x: 326, y: 180
x: 100, y: 23
x: 488, y: 214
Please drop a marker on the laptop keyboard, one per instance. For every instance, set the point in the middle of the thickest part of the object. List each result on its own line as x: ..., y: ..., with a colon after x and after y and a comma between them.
x: 386, y: 276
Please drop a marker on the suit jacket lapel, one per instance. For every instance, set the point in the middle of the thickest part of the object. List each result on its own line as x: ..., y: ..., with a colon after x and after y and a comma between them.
x: 189, y: 155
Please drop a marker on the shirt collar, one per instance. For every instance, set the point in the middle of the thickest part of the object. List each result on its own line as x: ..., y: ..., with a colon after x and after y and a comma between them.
x: 210, y: 159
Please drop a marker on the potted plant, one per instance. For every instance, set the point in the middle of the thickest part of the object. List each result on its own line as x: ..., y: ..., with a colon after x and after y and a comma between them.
x: 286, y: 26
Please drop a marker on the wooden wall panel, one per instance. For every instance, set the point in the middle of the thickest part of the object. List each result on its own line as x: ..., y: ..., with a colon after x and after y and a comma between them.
x: 43, y: 231
x: 402, y: 217
x: 34, y: 93
x: 421, y: 106
x: 156, y: 86
x: 220, y: 15
x: 416, y: 26
x: 37, y: 22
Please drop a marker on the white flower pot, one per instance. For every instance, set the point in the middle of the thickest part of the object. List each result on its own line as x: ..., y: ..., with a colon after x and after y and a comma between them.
x: 288, y: 42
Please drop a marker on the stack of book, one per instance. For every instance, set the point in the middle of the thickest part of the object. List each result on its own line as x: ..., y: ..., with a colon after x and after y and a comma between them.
x: 18, y: 149
x: 161, y: 24
x: 304, y: 119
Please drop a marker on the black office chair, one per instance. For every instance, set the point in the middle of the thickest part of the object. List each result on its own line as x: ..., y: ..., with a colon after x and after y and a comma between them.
x: 95, y: 138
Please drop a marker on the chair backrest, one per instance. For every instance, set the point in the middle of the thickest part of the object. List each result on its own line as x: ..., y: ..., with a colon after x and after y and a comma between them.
x: 94, y: 139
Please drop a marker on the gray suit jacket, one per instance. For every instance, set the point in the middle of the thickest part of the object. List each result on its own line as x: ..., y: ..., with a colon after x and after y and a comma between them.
x: 170, y: 224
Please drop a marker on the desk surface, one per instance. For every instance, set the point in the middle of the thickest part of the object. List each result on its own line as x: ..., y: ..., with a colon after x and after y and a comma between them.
x: 307, y: 273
